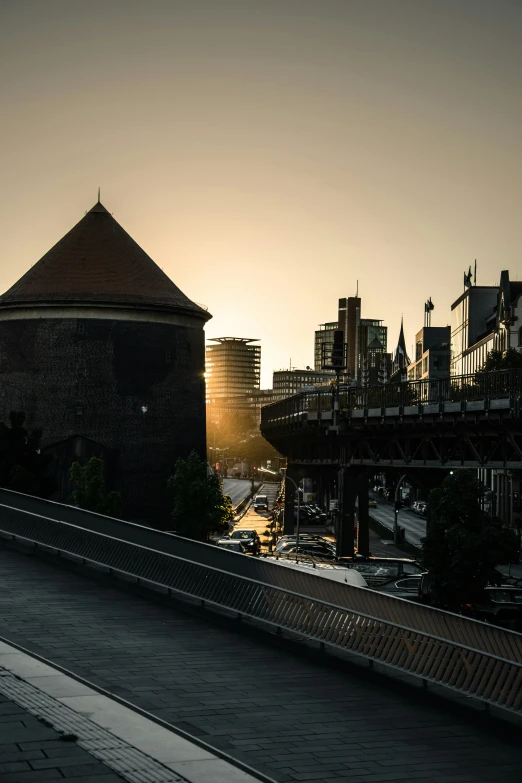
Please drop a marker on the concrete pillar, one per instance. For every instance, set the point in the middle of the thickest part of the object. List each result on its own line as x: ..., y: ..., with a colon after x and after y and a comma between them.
x: 346, y: 525
x: 363, y: 529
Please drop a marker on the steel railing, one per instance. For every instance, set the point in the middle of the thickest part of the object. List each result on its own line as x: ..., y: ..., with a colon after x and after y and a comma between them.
x: 473, y: 658
x: 478, y: 386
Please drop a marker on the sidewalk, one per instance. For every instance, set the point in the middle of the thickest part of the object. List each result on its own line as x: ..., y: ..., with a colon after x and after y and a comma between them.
x: 31, y: 751
x: 54, y: 727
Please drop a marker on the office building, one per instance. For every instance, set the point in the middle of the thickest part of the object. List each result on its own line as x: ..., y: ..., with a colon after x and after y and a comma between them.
x: 289, y: 382
x: 432, y: 354
x: 472, y: 324
x: 323, y: 335
x: 233, y: 368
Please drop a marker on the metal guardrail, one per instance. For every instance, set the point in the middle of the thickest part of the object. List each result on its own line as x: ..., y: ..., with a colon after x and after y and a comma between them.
x: 473, y: 658
x: 479, y: 386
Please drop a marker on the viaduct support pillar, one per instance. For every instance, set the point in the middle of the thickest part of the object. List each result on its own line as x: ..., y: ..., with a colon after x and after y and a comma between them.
x: 346, y: 525
x: 290, y: 501
x: 363, y: 530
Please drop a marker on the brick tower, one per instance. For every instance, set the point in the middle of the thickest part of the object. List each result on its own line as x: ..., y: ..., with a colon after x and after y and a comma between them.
x: 106, y: 355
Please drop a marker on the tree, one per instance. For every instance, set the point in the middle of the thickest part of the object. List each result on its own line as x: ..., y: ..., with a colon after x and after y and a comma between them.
x: 200, y: 507
x: 89, y: 490
x: 256, y: 449
x: 23, y: 467
x: 496, y: 360
x: 464, y: 544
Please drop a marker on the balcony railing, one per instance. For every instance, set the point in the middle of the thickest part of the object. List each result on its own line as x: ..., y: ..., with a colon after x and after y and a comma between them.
x: 478, y: 660
x: 479, y: 386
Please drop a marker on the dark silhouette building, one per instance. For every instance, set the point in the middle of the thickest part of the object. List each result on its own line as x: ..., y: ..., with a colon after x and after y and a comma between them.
x: 98, y: 346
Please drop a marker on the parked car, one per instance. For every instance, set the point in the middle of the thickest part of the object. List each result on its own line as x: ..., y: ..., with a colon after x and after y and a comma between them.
x: 310, y: 548
x: 419, y: 506
x: 249, y: 538
x: 503, y: 606
x: 372, y: 503
x: 261, y: 503
x: 232, y: 546
x: 406, y: 587
x: 306, y: 515
x: 303, y: 537
x: 380, y: 570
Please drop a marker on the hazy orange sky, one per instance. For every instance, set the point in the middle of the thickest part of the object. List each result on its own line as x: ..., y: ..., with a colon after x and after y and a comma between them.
x: 269, y: 153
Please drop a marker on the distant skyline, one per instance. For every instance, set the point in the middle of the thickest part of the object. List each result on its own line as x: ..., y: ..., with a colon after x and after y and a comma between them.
x: 267, y: 155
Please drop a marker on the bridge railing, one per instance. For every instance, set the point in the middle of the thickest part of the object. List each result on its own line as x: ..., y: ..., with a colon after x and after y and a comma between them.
x: 478, y: 386
x: 475, y: 659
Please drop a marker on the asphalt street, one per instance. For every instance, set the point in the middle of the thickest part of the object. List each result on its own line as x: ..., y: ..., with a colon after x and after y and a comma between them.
x: 414, y: 525
x: 237, y: 489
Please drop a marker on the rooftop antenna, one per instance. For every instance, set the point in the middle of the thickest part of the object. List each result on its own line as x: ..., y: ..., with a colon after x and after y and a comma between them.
x: 357, y: 289
x: 475, y: 275
x: 99, y: 196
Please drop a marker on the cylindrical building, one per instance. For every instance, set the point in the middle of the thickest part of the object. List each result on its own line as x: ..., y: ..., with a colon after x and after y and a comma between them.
x: 106, y: 355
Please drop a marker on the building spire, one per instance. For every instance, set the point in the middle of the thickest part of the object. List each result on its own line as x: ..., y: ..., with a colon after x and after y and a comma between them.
x: 99, y: 202
x: 401, y: 359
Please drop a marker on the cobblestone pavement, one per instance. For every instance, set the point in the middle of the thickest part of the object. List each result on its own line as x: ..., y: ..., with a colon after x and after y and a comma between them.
x: 31, y: 752
x: 289, y: 717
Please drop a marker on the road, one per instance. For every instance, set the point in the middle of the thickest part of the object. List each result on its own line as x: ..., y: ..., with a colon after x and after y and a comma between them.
x: 237, y: 489
x: 258, y: 520
x: 414, y: 525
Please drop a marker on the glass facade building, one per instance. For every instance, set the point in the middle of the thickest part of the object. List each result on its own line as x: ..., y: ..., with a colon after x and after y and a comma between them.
x: 323, y: 335
x: 233, y: 368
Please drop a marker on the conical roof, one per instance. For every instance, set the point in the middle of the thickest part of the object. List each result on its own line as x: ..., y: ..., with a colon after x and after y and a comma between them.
x: 98, y: 262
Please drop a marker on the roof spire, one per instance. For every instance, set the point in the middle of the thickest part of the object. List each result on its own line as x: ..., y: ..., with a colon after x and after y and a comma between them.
x: 99, y: 202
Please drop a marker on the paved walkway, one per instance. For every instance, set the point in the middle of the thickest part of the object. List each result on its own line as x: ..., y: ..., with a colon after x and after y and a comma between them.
x: 284, y: 715
x: 31, y: 751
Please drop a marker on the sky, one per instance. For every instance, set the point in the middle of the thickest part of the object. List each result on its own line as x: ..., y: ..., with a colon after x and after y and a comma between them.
x: 269, y: 154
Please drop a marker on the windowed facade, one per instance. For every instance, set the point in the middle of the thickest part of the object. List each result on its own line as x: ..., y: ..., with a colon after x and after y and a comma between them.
x: 469, y: 315
x: 232, y: 368
x: 323, y: 335
x: 289, y: 382
x: 432, y: 354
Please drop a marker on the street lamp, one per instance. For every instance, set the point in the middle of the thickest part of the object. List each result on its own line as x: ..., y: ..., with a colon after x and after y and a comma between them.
x: 396, y: 510
x: 297, y: 489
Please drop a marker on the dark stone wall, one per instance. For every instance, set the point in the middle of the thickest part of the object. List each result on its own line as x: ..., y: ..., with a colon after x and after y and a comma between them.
x: 136, y: 387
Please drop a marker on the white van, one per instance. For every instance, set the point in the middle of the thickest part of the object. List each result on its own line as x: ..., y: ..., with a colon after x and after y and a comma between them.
x: 261, y: 503
x: 331, y: 571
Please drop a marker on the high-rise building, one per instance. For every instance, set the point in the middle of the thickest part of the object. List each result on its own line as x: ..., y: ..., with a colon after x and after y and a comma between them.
x: 233, y: 368
x: 349, y: 321
x: 372, y: 342
x: 366, y: 340
x: 323, y: 335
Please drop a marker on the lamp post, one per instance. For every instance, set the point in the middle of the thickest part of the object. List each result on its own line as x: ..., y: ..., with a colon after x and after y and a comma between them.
x: 396, y: 510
